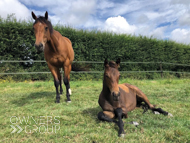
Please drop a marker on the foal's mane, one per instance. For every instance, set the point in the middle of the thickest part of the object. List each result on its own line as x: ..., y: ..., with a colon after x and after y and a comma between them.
x: 44, y: 21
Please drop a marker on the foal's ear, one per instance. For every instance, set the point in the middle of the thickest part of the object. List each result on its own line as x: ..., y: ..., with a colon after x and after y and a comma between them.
x: 105, y: 62
x: 34, y: 16
x: 46, y: 15
x: 118, y: 62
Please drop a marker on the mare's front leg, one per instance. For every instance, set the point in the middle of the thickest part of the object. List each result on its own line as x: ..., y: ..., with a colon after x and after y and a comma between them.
x: 119, y: 113
x: 60, y: 82
x: 54, y: 72
x: 67, y: 70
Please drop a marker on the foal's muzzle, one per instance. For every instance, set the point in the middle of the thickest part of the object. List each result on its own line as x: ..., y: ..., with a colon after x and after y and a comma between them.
x: 116, y: 96
x: 39, y: 48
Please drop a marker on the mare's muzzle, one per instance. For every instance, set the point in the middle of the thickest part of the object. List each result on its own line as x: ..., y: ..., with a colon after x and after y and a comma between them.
x: 116, y: 96
x: 39, y: 48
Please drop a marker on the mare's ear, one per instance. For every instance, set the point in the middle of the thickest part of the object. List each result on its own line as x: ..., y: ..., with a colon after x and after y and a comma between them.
x: 105, y: 62
x: 118, y: 62
x: 46, y: 15
x: 34, y: 16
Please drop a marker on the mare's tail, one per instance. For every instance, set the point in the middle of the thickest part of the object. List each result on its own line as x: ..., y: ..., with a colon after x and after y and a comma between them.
x: 78, y: 67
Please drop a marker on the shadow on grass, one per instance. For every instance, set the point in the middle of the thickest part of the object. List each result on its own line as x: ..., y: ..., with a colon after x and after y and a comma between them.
x: 92, y: 113
x: 34, y: 97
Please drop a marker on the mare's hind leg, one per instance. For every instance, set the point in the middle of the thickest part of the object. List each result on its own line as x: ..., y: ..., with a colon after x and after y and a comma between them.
x: 67, y: 70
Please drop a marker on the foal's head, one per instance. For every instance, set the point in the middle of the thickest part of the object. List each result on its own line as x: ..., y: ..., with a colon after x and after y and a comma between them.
x: 42, y: 30
x: 111, y: 78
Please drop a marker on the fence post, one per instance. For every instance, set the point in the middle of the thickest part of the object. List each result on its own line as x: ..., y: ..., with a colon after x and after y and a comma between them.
x: 161, y: 70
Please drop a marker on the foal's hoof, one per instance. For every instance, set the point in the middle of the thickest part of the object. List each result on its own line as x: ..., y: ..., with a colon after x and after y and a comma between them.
x: 169, y: 114
x: 122, y: 135
x: 156, y: 112
x: 134, y: 123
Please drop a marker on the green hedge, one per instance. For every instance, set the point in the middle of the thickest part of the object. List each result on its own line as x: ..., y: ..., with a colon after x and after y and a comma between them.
x: 17, y: 40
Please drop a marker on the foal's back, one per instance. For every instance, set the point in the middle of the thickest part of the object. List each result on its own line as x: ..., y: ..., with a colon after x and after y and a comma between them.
x: 132, y: 95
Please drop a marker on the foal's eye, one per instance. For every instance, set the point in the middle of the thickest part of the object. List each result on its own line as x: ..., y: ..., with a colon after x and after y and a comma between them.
x: 46, y: 28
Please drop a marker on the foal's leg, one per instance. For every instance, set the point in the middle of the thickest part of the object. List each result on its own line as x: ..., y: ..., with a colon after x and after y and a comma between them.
x: 106, y: 116
x: 67, y: 70
x: 60, y: 83
x: 118, y: 113
x: 54, y: 72
x: 144, y: 98
x: 160, y: 110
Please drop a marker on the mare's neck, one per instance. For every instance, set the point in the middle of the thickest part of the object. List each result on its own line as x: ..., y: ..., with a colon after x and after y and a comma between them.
x: 53, y: 43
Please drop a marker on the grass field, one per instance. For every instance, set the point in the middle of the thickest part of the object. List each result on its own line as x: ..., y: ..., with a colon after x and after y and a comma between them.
x: 29, y: 107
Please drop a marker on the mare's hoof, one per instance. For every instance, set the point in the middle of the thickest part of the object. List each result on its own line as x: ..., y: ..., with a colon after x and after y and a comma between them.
x: 69, y: 101
x: 58, y: 101
x: 122, y: 135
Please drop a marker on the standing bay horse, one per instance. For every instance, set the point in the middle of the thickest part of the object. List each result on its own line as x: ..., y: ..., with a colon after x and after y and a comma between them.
x: 117, y: 100
x: 58, y: 52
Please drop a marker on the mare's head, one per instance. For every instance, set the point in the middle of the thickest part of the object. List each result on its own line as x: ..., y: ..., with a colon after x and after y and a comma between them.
x: 42, y: 30
x: 111, y: 78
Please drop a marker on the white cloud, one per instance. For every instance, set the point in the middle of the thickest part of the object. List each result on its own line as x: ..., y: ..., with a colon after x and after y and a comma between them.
x: 80, y: 12
x: 185, y: 2
x: 158, y: 32
x: 13, y: 7
x: 103, y: 4
x: 184, y: 19
x: 119, y: 25
x: 160, y: 19
x: 181, y: 35
x: 75, y: 12
x: 142, y: 18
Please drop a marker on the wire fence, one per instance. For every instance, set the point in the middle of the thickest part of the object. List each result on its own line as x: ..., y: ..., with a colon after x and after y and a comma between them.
x: 97, y: 62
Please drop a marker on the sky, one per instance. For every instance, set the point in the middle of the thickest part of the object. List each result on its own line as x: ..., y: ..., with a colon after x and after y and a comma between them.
x: 161, y: 19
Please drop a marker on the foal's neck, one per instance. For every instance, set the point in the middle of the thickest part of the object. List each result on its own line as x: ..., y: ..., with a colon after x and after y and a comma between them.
x: 106, y: 90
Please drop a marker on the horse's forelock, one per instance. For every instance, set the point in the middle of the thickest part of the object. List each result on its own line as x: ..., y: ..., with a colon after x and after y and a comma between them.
x: 47, y: 22
x: 113, y: 64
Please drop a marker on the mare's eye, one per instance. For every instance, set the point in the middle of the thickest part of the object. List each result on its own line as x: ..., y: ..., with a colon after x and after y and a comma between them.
x: 106, y: 76
x: 46, y: 28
